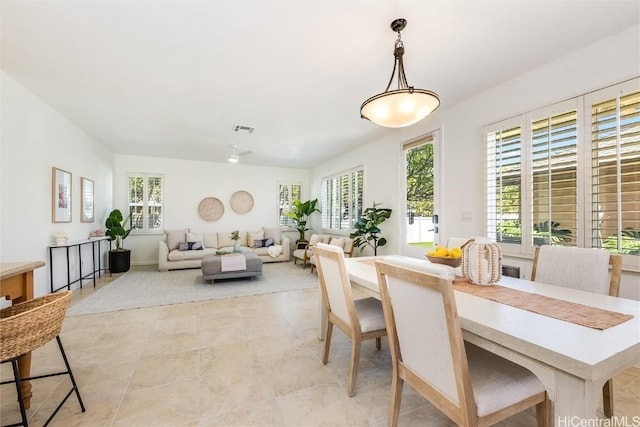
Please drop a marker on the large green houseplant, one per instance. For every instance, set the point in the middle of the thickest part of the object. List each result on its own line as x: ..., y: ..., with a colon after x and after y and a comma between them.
x: 300, y: 214
x: 119, y: 258
x: 366, y: 228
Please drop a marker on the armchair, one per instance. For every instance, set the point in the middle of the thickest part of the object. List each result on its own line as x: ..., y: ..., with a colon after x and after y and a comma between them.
x: 304, y: 250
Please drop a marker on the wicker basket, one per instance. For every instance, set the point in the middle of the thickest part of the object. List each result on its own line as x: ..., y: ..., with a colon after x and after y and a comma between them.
x: 452, y: 262
x: 31, y: 324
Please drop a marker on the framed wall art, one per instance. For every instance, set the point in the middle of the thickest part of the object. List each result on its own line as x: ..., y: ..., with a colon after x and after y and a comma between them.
x: 86, y: 201
x: 60, y: 195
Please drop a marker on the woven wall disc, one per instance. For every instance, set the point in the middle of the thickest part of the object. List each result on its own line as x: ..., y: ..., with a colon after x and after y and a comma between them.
x: 211, y: 209
x: 241, y: 202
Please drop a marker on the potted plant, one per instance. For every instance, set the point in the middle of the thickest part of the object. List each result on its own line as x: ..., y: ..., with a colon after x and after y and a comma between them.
x: 300, y: 215
x: 367, y: 230
x: 235, y: 236
x: 119, y: 258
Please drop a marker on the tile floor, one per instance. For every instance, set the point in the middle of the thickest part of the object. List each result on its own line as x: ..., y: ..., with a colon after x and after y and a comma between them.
x: 248, y: 361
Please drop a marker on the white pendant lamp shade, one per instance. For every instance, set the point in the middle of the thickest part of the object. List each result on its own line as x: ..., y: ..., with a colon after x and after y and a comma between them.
x: 399, y: 108
x: 405, y: 105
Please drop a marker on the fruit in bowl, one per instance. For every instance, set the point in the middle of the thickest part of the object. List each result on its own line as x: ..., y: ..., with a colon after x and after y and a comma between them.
x: 441, y: 255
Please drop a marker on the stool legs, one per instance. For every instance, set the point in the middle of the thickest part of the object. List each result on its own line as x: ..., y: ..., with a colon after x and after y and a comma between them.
x: 16, y: 376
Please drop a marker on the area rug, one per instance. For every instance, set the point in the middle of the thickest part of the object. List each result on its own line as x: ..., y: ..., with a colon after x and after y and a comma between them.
x: 137, y: 289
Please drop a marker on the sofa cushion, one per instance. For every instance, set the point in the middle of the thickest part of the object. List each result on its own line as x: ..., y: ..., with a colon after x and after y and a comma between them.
x: 194, y: 237
x: 210, y: 240
x: 273, y: 233
x: 254, y: 236
x: 175, y: 237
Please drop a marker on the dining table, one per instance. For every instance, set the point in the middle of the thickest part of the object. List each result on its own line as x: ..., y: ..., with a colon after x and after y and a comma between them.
x: 571, y: 360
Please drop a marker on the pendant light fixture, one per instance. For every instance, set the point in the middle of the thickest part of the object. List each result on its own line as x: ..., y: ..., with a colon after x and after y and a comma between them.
x: 405, y: 105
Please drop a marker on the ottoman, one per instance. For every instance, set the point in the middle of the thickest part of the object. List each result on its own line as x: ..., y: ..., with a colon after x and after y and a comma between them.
x: 212, y: 268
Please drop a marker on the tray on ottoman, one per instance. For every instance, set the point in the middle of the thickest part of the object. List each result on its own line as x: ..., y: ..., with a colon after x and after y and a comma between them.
x: 212, y: 267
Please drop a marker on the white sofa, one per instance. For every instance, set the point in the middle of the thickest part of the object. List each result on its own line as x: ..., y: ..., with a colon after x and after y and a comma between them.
x: 184, y: 249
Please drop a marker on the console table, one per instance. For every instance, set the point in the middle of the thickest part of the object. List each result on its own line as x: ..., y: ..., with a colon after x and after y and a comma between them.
x: 16, y: 284
x: 96, y: 269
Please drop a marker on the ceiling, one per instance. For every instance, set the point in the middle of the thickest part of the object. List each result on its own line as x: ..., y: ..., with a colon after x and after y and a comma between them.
x: 173, y: 78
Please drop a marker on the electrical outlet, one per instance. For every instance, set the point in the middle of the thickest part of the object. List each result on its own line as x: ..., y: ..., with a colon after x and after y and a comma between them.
x: 467, y: 216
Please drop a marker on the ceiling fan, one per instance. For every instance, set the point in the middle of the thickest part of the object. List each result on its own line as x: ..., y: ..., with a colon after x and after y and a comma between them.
x: 234, y: 157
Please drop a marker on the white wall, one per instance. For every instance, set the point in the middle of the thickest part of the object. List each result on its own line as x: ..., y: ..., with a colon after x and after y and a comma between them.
x: 35, y: 138
x: 187, y: 182
x: 461, y: 137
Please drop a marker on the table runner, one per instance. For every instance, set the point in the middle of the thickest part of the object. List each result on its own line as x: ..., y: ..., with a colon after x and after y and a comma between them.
x: 584, y: 315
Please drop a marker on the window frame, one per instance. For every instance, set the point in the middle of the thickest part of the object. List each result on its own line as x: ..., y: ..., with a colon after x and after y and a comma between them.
x: 350, y: 175
x: 583, y: 106
x: 145, y: 199
x: 289, y: 204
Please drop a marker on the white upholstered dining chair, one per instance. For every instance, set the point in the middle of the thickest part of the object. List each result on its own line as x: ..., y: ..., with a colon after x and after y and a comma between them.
x: 585, y: 269
x: 471, y: 386
x: 360, y: 319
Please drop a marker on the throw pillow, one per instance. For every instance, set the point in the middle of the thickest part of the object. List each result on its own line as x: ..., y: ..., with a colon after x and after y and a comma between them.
x: 337, y: 242
x: 273, y: 233
x: 263, y: 243
x: 314, y: 239
x: 195, y: 246
x: 255, y: 236
x: 190, y: 246
x: 175, y: 237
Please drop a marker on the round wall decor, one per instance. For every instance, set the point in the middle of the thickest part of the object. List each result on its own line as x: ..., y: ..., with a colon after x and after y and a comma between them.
x: 210, y: 209
x: 241, y: 202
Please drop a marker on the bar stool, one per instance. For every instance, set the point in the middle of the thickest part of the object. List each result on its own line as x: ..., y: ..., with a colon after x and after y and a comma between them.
x: 27, y: 326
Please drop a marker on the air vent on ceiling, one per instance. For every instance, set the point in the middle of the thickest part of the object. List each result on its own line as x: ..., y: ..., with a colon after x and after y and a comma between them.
x: 241, y: 128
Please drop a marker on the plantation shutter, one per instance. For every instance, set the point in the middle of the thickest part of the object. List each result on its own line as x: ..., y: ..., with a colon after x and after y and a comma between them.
x: 615, y: 169
x: 554, y: 186
x: 504, y: 184
x: 341, y: 197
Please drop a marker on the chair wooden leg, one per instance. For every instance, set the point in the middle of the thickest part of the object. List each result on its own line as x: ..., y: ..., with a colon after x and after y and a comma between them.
x: 543, y: 413
x: 378, y: 343
x: 327, y: 340
x: 312, y: 267
x: 607, y: 398
x: 355, y: 361
x: 395, y: 399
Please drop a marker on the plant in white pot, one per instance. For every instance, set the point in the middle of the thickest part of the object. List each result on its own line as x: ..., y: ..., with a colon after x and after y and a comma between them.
x: 119, y: 258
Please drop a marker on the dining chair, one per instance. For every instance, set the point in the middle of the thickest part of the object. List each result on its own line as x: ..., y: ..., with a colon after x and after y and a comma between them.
x: 585, y: 269
x: 471, y: 386
x: 360, y: 319
x: 342, y: 242
x: 27, y: 326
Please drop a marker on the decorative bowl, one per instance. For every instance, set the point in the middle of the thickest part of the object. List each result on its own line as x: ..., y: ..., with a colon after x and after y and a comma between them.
x: 452, y: 262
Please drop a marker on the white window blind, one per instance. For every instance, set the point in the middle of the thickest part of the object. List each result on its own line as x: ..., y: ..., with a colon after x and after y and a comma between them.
x: 504, y: 184
x: 287, y: 193
x: 554, y: 157
x: 341, y: 197
x: 615, y: 173
x: 568, y: 174
x: 145, y: 201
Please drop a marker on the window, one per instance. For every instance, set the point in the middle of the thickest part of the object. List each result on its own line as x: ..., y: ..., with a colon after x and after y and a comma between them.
x: 567, y: 174
x: 615, y: 173
x: 341, y: 197
x: 145, y: 202
x: 287, y: 193
x: 419, y: 163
